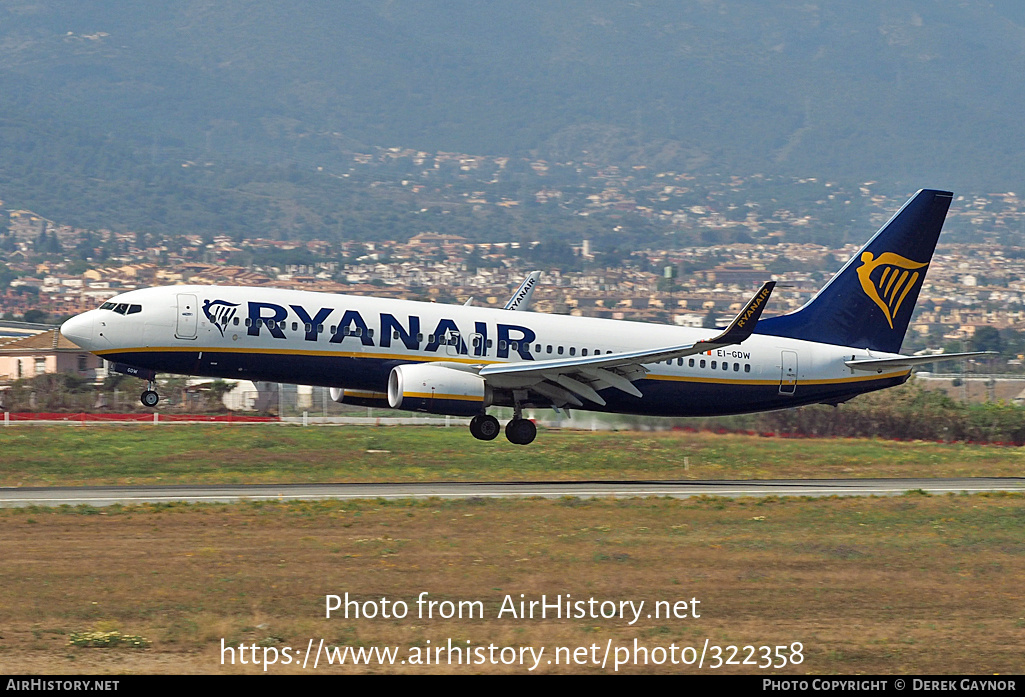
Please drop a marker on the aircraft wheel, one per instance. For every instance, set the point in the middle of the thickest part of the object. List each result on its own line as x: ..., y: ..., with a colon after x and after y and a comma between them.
x: 149, y: 398
x: 521, y: 431
x: 484, y: 427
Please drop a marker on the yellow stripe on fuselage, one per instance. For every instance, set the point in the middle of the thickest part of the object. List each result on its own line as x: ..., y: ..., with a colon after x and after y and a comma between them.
x: 728, y: 381
x: 297, y: 352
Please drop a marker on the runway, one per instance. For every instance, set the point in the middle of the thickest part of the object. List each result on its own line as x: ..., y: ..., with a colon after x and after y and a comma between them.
x: 106, y: 496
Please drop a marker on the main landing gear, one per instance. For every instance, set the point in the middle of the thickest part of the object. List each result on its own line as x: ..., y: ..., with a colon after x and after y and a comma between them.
x: 150, y: 397
x: 484, y: 427
x: 519, y: 431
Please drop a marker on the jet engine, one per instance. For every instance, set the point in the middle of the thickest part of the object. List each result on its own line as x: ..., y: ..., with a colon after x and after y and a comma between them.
x: 359, y: 398
x: 437, y: 389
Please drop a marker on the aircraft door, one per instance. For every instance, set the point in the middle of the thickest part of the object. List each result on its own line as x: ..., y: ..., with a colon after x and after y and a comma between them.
x: 788, y: 373
x: 453, y: 343
x: 187, y: 316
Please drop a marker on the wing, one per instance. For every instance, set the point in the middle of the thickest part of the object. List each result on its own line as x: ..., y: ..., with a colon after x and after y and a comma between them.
x: 566, y: 381
x: 520, y: 300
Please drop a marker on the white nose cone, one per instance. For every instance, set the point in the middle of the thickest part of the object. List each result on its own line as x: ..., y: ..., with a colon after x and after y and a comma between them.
x: 79, y: 329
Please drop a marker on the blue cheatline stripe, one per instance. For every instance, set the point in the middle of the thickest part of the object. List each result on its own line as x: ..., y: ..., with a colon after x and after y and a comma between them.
x: 664, y: 395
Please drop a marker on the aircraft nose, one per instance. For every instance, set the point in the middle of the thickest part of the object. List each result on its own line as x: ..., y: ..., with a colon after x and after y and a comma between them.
x: 79, y: 329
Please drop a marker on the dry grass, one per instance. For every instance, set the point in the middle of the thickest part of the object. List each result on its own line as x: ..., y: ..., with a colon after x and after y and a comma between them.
x: 913, y: 584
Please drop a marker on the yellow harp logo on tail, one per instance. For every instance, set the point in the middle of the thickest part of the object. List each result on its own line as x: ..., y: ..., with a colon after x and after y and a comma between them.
x: 888, y: 280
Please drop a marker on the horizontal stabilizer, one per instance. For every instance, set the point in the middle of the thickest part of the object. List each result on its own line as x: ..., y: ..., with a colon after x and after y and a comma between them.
x: 908, y: 361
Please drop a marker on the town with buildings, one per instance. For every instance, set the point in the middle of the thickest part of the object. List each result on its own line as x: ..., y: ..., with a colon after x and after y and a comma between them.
x: 974, y: 280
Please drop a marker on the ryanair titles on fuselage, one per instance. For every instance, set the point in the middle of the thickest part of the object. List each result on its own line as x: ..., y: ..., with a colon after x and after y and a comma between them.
x: 271, y: 317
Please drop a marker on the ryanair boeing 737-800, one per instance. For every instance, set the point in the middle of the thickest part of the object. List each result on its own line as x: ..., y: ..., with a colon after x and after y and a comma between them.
x: 460, y: 360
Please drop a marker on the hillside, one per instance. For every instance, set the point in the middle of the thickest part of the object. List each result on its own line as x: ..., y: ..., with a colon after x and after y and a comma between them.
x: 105, y: 101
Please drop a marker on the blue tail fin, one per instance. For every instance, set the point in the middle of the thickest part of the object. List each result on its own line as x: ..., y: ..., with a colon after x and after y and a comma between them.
x: 868, y: 304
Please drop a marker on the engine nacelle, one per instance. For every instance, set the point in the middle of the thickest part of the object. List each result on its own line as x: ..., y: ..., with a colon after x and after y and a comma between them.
x: 359, y: 398
x: 437, y: 390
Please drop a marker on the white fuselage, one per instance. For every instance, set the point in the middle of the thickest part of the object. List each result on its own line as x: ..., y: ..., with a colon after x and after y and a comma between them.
x: 347, y: 341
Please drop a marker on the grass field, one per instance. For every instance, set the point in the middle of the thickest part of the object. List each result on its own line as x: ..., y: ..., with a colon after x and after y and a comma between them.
x: 49, y: 455
x: 910, y: 584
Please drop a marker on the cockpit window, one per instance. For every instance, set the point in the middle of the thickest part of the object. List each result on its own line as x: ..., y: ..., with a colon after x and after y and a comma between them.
x: 121, y: 308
